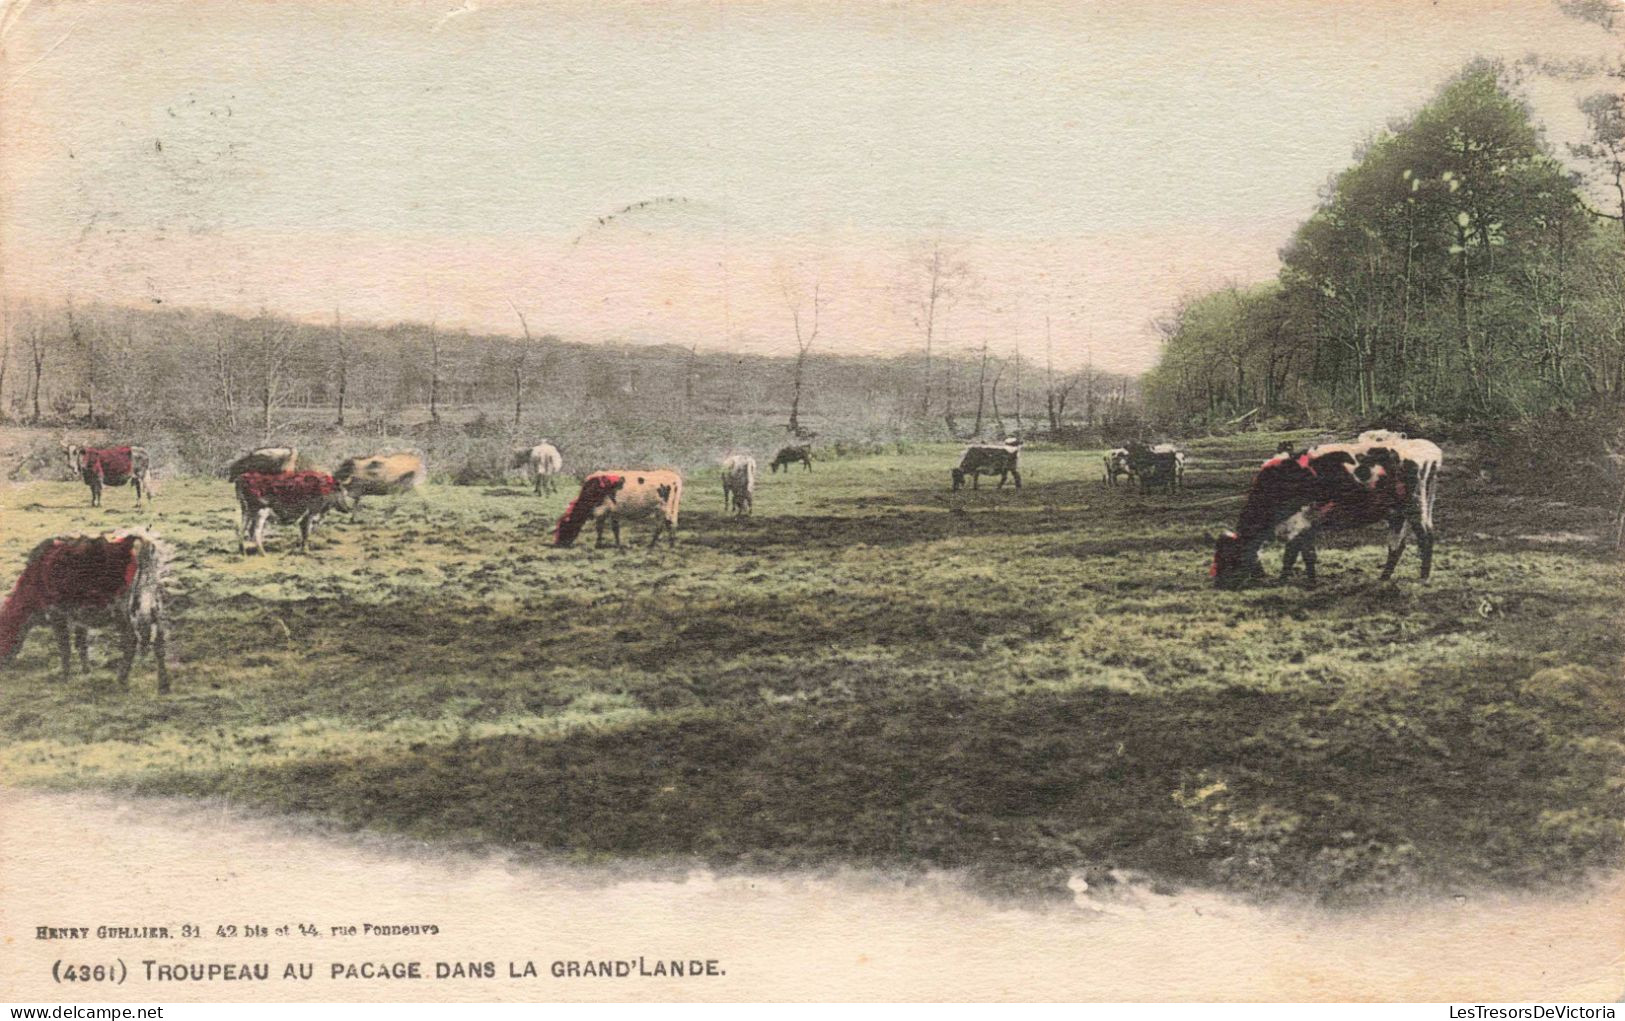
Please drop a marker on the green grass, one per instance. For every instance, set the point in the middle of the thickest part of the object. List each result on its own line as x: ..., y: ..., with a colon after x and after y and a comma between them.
x: 873, y: 670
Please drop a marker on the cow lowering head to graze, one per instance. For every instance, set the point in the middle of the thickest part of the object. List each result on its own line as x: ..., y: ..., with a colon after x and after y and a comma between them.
x: 382, y: 474
x: 76, y: 582
x: 541, y: 464
x: 1155, y: 467
x: 292, y: 498
x: 790, y: 455
x: 112, y: 466
x: 738, y: 483
x: 987, y: 459
x: 1117, y: 464
x: 265, y: 460
x: 1333, y: 487
x: 654, y: 495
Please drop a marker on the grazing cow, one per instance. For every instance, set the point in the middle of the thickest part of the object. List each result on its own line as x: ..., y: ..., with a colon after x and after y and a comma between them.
x: 790, y: 455
x: 1117, y: 463
x: 738, y: 483
x: 112, y: 466
x: 381, y: 475
x: 1380, y: 436
x: 623, y: 493
x: 1158, y: 466
x: 988, y: 459
x: 1334, y: 486
x: 265, y: 460
x: 302, y: 497
x: 76, y: 582
x: 541, y: 464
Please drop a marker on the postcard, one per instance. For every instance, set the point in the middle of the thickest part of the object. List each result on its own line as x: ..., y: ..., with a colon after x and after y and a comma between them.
x: 993, y: 500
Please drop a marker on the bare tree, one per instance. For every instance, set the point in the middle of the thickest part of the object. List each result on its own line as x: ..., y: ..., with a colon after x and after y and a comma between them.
x: 343, y: 353
x: 806, y: 336
x: 37, y: 346
x: 434, y: 375
x: 272, y: 357
x: 519, y: 367
x: 941, y: 278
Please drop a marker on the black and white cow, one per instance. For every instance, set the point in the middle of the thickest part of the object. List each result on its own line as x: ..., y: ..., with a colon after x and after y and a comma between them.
x: 1003, y: 460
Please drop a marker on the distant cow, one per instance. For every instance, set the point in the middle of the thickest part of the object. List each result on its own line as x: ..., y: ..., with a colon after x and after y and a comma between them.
x: 76, y: 582
x: 541, y: 464
x: 1334, y: 486
x: 738, y: 483
x: 1155, y: 467
x: 1117, y: 463
x: 1179, y: 460
x: 265, y: 460
x: 381, y: 474
x: 112, y: 466
x: 291, y: 497
x: 988, y: 459
x: 790, y: 455
x: 655, y: 495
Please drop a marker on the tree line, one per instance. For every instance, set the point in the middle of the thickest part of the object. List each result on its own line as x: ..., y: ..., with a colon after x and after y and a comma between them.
x: 1459, y: 268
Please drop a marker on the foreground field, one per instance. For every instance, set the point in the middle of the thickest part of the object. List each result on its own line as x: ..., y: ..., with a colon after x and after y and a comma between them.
x: 873, y: 670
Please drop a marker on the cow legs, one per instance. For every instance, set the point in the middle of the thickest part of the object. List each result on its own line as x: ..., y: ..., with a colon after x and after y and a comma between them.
x: 64, y: 646
x: 160, y: 651
x: 81, y: 642
x: 1016, y: 475
x: 306, y: 523
x: 257, y: 536
x: 1309, y: 562
x: 132, y: 645
x: 598, y: 528
x: 1424, y: 546
x: 95, y: 492
x: 1398, y: 532
x: 615, y: 526
x: 1289, y: 558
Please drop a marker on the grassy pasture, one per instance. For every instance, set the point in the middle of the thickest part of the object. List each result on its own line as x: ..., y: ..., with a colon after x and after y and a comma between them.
x: 872, y: 670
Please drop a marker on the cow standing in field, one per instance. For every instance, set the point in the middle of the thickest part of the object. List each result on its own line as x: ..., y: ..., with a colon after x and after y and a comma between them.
x: 1333, y: 487
x: 541, y: 464
x: 291, y: 497
x: 621, y: 493
x: 76, y: 582
x: 1117, y: 463
x: 1003, y: 460
x: 382, y: 475
x: 112, y: 466
x: 1155, y: 467
x: 265, y: 460
x: 790, y: 455
x: 738, y: 483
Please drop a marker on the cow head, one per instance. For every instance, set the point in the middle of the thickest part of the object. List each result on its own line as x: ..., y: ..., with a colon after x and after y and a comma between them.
x: 75, y: 455
x: 1235, y: 564
x: 958, y: 475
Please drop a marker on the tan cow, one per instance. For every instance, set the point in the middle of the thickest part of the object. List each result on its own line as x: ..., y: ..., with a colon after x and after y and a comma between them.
x: 621, y: 493
x: 382, y: 475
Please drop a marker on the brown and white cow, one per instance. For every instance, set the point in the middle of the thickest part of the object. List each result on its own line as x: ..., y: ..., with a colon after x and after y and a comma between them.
x: 1003, y: 460
x: 1332, y: 487
x: 738, y: 483
x: 112, y: 466
x: 1117, y: 463
x: 266, y: 461
x: 290, y: 497
x: 632, y: 494
x: 76, y: 582
x: 541, y: 464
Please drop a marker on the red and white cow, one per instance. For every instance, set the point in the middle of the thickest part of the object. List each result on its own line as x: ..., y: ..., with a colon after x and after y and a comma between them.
x: 1333, y: 487
x: 302, y: 497
x: 623, y: 493
x: 112, y: 466
x: 75, y: 582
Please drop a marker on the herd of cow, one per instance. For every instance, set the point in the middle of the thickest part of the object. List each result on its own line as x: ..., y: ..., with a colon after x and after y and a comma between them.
x: 72, y: 583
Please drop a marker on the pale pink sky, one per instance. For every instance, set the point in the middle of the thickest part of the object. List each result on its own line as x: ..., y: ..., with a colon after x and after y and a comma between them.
x: 439, y: 160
